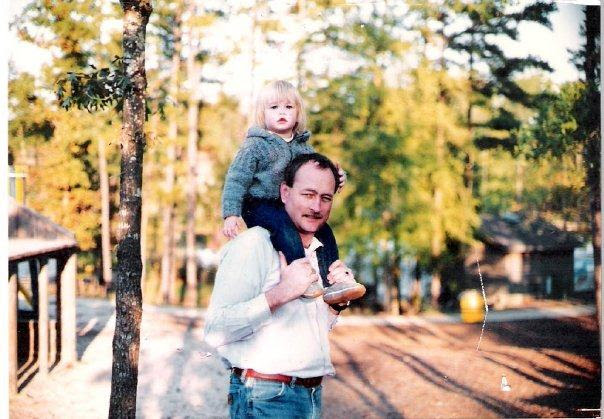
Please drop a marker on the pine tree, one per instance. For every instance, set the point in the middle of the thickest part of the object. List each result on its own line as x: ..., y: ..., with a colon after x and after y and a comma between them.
x: 571, y: 124
x: 168, y: 260
x: 193, y: 101
x: 126, y: 340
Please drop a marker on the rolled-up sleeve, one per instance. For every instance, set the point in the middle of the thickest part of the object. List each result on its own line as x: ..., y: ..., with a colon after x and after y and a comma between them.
x: 238, y: 306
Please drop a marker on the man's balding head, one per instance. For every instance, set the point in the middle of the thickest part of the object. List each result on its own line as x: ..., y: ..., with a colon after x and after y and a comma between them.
x: 319, y: 159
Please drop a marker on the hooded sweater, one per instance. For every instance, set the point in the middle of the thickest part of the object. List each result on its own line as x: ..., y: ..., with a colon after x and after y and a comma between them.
x: 257, y: 170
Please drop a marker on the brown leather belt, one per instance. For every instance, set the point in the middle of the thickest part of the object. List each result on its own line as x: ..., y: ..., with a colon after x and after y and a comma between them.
x: 305, y: 382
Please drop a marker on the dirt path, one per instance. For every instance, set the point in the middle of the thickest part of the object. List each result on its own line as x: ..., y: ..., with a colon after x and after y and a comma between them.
x: 427, y: 370
x: 413, y: 369
x: 176, y: 379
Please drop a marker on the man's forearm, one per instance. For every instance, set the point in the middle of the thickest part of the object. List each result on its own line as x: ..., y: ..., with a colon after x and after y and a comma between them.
x: 276, y: 297
x: 235, y: 322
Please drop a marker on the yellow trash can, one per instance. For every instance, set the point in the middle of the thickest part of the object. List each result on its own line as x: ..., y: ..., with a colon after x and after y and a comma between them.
x: 472, y: 306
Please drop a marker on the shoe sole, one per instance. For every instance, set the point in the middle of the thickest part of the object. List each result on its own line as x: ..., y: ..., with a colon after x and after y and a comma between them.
x: 314, y: 294
x: 314, y: 290
x: 345, y: 295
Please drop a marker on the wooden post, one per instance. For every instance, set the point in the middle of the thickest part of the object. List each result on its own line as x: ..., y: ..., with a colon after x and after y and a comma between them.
x: 52, y: 342
x: 67, y: 307
x: 43, y: 318
x: 12, y: 329
x: 33, y: 274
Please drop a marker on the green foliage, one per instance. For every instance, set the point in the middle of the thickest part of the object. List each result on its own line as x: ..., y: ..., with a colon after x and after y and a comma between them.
x: 407, y: 132
x: 73, y: 24
x: 490, y: 72
x: 443, y: 206
x: 386, y: 142
x: 60, y: 149
x: 96, y: 90
x: 570, y: 122
x: 556, y: 127
x: 31, y: 121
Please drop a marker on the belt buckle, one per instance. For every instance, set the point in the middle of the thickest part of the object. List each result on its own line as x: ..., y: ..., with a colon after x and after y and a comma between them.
x: 293, y: 381
x: 247, y: 381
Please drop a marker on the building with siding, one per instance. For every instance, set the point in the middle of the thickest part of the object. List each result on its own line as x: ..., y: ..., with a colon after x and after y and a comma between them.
x: 521, y: 257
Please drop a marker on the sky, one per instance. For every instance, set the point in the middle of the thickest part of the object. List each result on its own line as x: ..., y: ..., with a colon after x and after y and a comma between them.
x: 552, y: 45
x: 537, y: 40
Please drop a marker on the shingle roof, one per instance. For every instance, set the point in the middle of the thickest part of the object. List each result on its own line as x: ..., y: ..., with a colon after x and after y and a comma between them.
x: 516, y: 233
x: 31, y: 234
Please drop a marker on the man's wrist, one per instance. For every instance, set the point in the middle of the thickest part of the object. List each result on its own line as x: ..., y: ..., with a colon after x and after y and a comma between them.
x: 339, y: 307
x: 273, y: 299
x: 276, y: 297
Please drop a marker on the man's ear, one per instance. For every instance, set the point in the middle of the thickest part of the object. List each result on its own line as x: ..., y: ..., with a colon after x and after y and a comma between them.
x: 284, y: 192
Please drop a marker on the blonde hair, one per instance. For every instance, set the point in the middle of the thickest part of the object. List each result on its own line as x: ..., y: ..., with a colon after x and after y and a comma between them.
x: 276, y: 91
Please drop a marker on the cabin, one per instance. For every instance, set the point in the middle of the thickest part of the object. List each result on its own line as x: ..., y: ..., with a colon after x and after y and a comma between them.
x: 41, y: 295
x: 521, y: 257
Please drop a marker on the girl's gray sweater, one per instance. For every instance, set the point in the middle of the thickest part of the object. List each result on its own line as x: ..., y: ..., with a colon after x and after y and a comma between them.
x: 257, y: 170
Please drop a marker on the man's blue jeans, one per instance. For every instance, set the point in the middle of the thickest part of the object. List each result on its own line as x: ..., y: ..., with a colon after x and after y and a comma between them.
x: 254, y: 398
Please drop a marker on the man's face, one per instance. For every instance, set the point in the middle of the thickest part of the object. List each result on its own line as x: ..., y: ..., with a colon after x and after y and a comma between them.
x: 308, y: 202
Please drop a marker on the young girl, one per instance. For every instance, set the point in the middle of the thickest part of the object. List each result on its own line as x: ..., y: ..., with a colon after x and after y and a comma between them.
x: 251, y: 189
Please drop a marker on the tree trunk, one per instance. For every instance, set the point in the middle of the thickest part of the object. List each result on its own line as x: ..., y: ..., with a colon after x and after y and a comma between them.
x: 149, y: 169
x: 593, y: 147
x: 128, y: 311
x: 436, y: 244
x: 596, y: 228
x: 387, y: 301
x: 301, y: 6
x: 519, y: 181
x: 105, y: 230
x: 435, y: 289
x: 191, y: 185
x: 396, y: 277
x: 416, y: 289
x: 173, y: 298
x: 469, y: 161
x: 438, y: 233
x: 168, y: 259
x: 253, y: 64
x: 436, y: 248
x: 144, y: 235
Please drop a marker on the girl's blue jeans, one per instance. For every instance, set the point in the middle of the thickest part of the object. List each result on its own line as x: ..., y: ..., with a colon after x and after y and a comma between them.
x: 270, y: 214
x: 254, y: 398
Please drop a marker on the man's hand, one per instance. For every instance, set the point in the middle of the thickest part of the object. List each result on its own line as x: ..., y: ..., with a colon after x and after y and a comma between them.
x: 342, y: 177
x: 339, y: 272
x: 294, y: 279
x: 343, y: 287
x: 232, y: 225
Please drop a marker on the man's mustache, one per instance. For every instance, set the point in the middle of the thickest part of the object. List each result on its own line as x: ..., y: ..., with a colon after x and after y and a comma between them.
x: 314, y: 215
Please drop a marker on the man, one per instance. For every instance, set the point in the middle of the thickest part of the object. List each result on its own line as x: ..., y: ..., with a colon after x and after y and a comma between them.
x: 275, y: 342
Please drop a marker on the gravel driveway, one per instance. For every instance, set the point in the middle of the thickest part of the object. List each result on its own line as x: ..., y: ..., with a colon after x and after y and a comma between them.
x: 412, y: 367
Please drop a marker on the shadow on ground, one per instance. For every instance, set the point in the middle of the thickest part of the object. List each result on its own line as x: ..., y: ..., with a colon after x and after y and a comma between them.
x: 434, y: 370
x: 93, y: 315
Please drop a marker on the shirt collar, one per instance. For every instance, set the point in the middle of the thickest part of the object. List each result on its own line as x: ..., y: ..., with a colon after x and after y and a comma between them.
x: 314, y: 245
x: 287, y: 140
